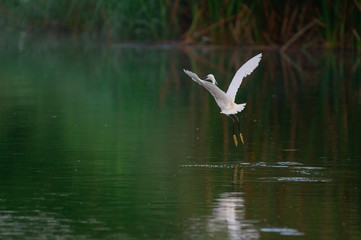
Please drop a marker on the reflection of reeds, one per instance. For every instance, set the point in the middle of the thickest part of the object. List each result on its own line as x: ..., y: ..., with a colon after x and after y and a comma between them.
x: 156, y: 114
x: 295, y: 99
x: 298, y: 101
x: 263, y: 22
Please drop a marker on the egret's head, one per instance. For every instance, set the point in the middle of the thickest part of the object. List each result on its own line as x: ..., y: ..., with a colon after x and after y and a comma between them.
x: 211, y: 77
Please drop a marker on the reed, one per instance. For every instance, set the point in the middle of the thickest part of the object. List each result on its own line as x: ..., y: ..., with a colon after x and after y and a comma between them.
x: 264, y: 22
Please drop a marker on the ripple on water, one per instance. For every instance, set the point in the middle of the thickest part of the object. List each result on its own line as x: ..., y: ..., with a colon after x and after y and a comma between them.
x: 300, y: 173
x: 289, y: 163
x: 208, y: 165
x: 296, y: 179
x: 293, y: 165
x: 283, y: 231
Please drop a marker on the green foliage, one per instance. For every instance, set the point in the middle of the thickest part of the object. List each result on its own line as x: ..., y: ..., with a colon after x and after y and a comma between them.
x: 261, y: 22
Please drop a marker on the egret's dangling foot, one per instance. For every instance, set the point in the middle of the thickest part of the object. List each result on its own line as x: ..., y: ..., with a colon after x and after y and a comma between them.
x: 233, y: 131
x: 241, y: 136
x: 239, y: 129
x: 235, y: 140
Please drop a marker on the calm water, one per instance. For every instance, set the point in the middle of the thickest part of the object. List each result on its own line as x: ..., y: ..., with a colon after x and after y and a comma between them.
x: 116, y: 142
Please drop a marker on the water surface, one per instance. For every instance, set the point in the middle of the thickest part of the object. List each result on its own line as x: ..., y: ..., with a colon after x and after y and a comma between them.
x: 116, y: 142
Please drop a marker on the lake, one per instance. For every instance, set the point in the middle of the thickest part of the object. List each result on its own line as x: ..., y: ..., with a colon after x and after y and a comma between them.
x: 102, y: 141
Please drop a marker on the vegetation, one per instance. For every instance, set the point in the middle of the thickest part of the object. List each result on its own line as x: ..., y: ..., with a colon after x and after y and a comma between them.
x: 261, y: 22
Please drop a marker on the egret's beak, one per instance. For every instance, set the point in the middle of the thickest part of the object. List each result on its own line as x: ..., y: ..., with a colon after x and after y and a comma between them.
x: 204, y: 78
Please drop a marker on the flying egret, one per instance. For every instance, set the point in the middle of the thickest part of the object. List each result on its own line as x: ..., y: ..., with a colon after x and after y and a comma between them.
x: 225, y: 100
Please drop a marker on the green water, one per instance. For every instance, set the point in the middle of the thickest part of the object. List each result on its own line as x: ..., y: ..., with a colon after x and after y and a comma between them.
x: 116, y: 142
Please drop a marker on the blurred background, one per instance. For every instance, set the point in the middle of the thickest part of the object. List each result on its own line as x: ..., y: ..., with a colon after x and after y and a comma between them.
x: 103, y: 136
x: 232, y: 22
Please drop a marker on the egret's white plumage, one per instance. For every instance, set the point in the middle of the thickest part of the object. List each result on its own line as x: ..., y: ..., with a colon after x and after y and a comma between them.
x: 225, y: 100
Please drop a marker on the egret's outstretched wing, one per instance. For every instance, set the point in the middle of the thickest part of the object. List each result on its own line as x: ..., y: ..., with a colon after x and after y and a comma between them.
x: 242, y: 72
x: 221, y: 98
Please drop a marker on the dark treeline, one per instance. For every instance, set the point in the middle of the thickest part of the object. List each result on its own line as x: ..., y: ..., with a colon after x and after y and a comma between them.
x: 261, y: 22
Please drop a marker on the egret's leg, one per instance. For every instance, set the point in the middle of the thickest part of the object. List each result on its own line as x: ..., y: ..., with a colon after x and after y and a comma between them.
x: 234, y: 133
x: 239, y: 129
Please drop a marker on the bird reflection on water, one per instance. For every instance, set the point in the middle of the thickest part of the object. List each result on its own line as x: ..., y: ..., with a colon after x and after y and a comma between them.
x: 229, y: 214
x: 228, y: 217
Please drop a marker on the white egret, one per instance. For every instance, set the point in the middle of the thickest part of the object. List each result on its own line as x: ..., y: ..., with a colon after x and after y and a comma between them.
x: 225, y: 100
